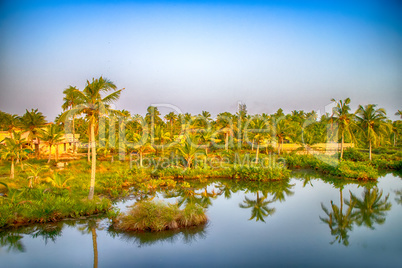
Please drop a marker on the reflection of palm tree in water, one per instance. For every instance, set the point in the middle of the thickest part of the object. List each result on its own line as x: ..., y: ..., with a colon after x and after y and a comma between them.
x: 339, y: 223
x: 371, y: 209
x: 260, y: 209
x: 90, y: 227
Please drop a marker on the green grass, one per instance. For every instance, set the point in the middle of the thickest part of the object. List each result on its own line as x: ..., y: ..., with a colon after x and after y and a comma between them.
x: 159, y: 216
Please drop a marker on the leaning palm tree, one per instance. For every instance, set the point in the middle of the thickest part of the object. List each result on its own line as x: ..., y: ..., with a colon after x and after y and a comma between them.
x: 94, y: 105
x: 32, y: 121
x: 344, y: 119
x: 71, y: 99
x: 52, y: 135
x: 372, y: 122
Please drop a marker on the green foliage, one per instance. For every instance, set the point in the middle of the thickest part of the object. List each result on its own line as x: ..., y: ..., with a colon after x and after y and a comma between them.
x: 354, y: 154
x: 159, y: 216
x: 256, y: 173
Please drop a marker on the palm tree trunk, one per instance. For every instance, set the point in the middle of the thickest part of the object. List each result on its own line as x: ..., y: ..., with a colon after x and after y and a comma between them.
x: 57, y: 153
x: 50, y: 153
x: 74, y: 148
x: 89, y: 149
x: 95, y: 247
x: 342, y: 145
x: 279, y: 148
x: 93, y: 167
x: 258, y: 150
x: 140, y: 159
x: 12, y: 168
x: 226, y: 141
x: 370, y: 150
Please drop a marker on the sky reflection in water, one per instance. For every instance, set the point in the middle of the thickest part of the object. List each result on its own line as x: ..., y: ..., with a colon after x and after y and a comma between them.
x: 298, y: 222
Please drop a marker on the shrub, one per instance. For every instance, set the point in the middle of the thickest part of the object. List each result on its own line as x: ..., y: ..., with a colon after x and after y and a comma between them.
x: 159, y: 216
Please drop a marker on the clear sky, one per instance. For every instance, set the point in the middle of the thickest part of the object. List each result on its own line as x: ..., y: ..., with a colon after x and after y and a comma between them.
x: 203, y: 55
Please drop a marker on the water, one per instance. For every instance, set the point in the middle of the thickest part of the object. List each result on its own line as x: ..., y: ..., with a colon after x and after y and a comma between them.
x: 289, y: 229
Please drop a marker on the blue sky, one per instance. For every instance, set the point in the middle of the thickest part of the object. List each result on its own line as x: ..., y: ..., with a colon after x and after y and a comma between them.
x: 203, y: 55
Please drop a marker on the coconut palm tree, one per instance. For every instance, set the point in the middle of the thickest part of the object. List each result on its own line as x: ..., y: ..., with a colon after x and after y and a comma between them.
x: 94, y: 105
x: 399, y: 112
x: 171, y: 118
x: 32, y: 121
x: 372, y: 122
x: 344, y: 119
x: 10, y: 151
x: 188, y: 150
x: 140, y: 143
x: 224, y: 124
x: 259, y: 132
x: 371, y: 208
x: 10, y: 122
x: 71, y: 99
x: 52, y: 135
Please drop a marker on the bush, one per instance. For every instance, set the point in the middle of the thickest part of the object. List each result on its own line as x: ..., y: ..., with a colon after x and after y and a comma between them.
x: 355, y: 155
x: 159, y: 216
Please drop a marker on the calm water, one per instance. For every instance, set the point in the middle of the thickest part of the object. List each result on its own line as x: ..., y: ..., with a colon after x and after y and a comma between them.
x: 300, y: 222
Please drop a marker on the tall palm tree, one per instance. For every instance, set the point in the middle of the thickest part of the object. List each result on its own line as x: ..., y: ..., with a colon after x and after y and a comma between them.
x: 344, y: 119
x: 371, y: 208
x: 259, y: 132
x: 224, y: 124
x: 71, y: 99
x: 52, y: 135
x: 32, y: 121
x: 372, y: 122
x: 171, y: 118
x: 94, y: 105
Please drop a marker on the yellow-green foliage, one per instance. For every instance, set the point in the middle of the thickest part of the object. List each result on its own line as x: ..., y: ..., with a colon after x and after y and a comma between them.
x: 159, y: 216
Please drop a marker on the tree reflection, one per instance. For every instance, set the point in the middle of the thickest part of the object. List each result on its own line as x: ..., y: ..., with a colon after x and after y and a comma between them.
x: 12, y: 241
x: 371, y: 208
x: 398, y: 197
x: 186, y: 235
x: 338, y: 222
x: 90, y: 226
x: 259, y: 207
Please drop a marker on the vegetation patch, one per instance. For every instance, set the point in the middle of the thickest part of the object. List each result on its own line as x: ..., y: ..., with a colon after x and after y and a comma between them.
x: 159, y: 216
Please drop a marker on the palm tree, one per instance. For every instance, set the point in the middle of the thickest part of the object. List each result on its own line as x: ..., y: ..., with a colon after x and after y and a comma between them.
x: 71, y: 99
x: 225, y: 125
x: 95, y: 106
x: 32, y: 122
x: 171, y: 118
x: 11, y: 122
x: 372, y: 120
x: 371, y: 208
x: 344, y: 119
x: 260, y: 209
x: 399, y: 112
x: 52, y: 135
x: 140, y: 144
x: 10, y: 151
x: 188, y: 150
x: 259, y: 129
